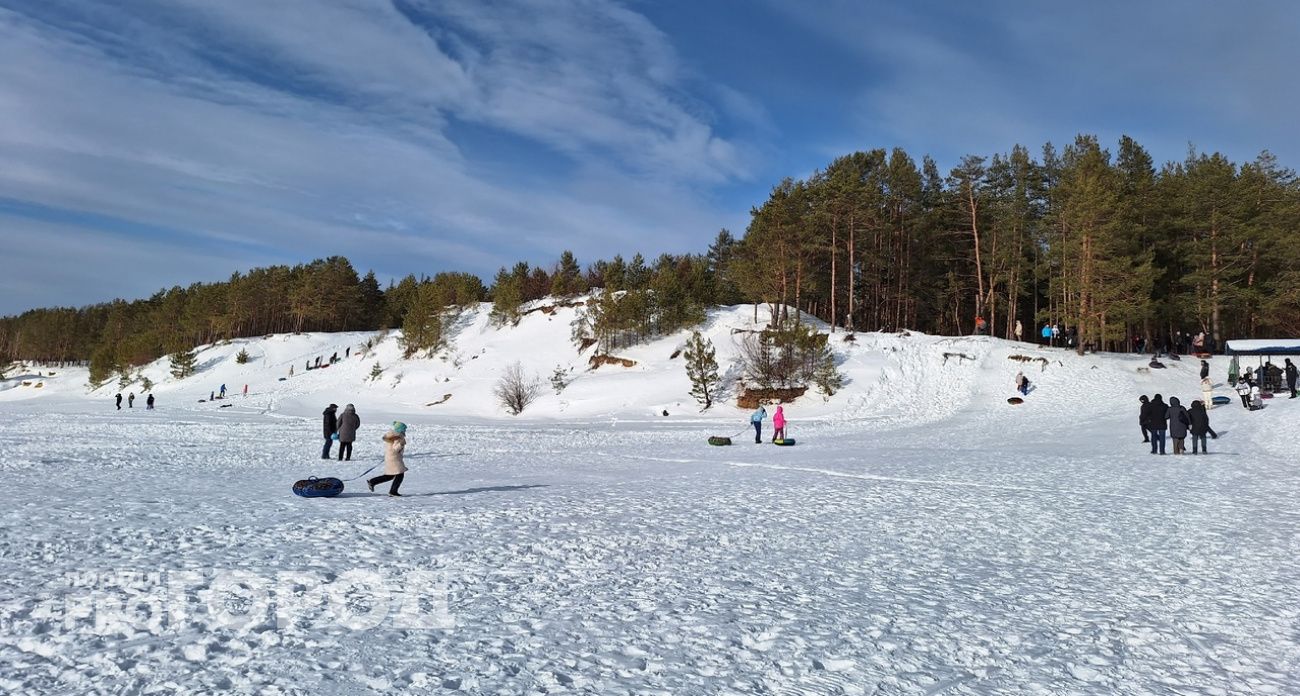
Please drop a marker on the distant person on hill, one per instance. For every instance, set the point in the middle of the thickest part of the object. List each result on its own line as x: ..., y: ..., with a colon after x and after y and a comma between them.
x: 1200, y: 427
x: 223, y: 391
x: 1290, y: 377
x: 394, y: 465
x: 756, y: 418
x: 348, y: 353
x: 1056, y: 334
x: 119, y: 401
x: 1207, y: 391
x: 778, y: 424
x: 349, y: 421
x: 1205, y: 369
x: 148, y: 403
x: 1157, y: 423
x: 331, y: 423
x: 980, y: 326
x: 245, y: 390
x: 1178, y: 422
x: 130, y: 400
x: 1144, y: 420
x: 1020, y: 331
x: 1047, y: 334
x: 1022, y: 384
x: 291, y: 370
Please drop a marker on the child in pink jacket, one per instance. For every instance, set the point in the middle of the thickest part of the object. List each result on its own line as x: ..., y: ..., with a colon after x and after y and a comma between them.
x: 778, y: 424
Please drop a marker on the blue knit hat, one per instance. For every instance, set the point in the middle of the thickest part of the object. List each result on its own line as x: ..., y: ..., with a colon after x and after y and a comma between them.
x: 399, y: 427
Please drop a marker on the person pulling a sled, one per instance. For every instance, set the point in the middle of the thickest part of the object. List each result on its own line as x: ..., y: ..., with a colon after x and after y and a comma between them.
x: 756, y: 419
x: 394, y: 466
x: 1022, y: 384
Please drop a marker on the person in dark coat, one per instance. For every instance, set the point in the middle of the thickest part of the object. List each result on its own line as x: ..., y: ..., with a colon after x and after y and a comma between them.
x: 1200, y: 427
x: 331, y: 427
x: 119, y: 401
x: 1290, y: 376
x: 130, y: 400
x: 349, y: 421
x: 1143, y: 420
x: 148, y: 403
x: 1178, y: 422
x: 1157, y: 423
x: 1205, y: 369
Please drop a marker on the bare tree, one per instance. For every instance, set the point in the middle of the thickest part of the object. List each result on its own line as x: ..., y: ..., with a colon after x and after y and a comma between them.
x: 515, y: 389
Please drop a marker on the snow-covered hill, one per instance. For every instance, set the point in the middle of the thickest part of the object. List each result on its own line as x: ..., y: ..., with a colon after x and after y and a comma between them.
x: 903, y: 379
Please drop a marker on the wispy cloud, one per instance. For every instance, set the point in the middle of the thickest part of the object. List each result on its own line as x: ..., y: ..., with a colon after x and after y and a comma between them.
x: 296, y: 129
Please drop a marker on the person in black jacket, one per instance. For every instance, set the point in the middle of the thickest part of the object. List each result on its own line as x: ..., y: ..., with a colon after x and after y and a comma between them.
x: 1290, y: 376
x: 1200, y: 427
x: 1142, y: 417
x: 1157, y: 423
x: 119, y: 401
x: 1205, y: 369
x: 331, y: 427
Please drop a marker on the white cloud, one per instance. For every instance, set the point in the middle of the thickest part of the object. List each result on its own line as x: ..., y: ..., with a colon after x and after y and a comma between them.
x: 263, y: 130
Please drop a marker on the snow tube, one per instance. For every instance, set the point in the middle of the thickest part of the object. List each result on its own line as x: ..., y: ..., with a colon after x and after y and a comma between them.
x: 1221, y: 400
x: 1015, y: 400
x: 313, y: 487
x: 719, y: 441
x: 786, y: 442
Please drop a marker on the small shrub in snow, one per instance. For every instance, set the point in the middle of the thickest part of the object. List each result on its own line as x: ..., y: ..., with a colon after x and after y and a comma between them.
x: 376, y: 372
x: 242, y: 357
x: 124, y: 379
x: 559, y: 379
x: 146, y: 384
x: 515, y: 389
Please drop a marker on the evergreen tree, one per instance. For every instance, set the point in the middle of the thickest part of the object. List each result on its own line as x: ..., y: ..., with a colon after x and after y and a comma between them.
x: 507, y: 296
x: 422, y: 329
x: 559, y: 379
x: 146, y: 384
x: 567, y: 280
x: 241, y: 357
x: 183, y: 363
x: 701, y: 368
x: 376, y: 372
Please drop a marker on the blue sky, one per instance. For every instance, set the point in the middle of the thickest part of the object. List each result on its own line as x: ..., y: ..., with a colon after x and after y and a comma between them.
x: 150, y: 143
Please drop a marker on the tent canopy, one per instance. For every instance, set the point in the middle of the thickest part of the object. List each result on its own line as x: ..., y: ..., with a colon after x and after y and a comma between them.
x: 1263, y: 346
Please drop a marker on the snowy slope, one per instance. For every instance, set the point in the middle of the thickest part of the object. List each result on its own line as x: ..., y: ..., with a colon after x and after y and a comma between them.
x: 924, y: 536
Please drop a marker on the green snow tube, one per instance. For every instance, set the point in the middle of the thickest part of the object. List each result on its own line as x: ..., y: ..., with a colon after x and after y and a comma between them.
x: 719, y: 441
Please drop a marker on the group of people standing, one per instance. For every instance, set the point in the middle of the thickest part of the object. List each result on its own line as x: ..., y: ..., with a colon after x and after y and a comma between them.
x: 778, y: 423
x: 1159, y: 419
x: 130, y: 401
x: 343, y: 427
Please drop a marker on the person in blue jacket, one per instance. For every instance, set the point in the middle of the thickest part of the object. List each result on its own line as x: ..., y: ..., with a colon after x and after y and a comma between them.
x: 757, y: 419
x: 1047, y: 333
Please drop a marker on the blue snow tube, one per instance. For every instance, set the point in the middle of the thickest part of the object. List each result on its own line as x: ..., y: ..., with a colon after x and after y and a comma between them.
x: 313, y: 487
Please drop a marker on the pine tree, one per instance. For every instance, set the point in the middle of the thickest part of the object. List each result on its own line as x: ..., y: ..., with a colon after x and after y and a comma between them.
x: 183, y: 363
x: 146, y: 384
x: 241, y: 357
x: 701, y: 368
x: 507, y: 296
x: 422, y: 329
x: 376, y: 372
x: 559, y: 379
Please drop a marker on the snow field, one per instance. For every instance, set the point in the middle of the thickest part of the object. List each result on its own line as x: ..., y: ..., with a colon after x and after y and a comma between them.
x: 924, y: 537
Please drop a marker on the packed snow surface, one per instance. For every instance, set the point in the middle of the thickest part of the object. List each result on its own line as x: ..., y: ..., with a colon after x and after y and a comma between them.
x: 923, y: 537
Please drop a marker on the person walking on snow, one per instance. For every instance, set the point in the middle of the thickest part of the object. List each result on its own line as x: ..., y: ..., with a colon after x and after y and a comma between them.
x: 349, y: 421
x: 778, y: 424
x: 148, y: 403
x: 245, y: 391
x: 1157, y: 423
x: 119, y: 401
x: 1178, y: 422
x: 1144, y: 420
x: 331, y: 423
x: 756, y: 418
x: 1022, y: 384
x: 1243, y: 390
x: 130, y: 400
x: 1200, y: 426
x: 1020, y: 330
x: 1205, y: 369
x: 223, y: 391
x: 1047, y: 334
x: 1290, y: 377
x: 291, y: 370
x: 1207, y: 391
x: 394, y: 466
